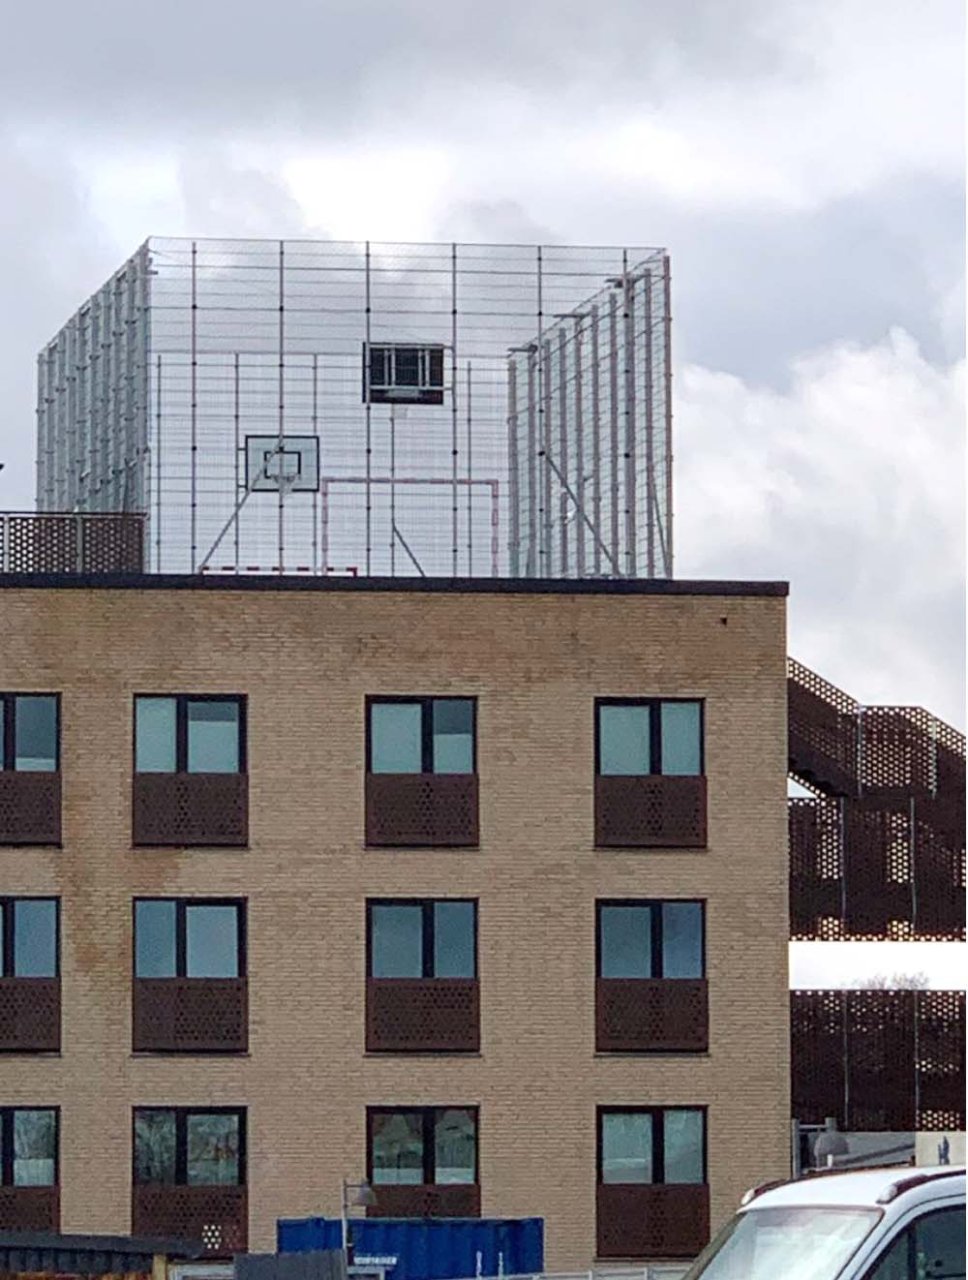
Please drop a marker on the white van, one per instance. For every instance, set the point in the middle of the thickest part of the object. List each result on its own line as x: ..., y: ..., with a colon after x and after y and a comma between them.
x: 875, y: 1224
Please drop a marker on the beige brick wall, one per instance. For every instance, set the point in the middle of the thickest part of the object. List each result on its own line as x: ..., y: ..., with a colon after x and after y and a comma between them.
x: 306, y: 660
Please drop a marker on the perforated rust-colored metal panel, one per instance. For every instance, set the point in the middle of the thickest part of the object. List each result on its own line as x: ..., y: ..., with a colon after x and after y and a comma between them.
x: 816, y: 868
x: 879, y: 887
x: 415, y: 810
x: 190, y: 1015
x: 423, y: 1015
x: 455, y: 1200
x: 30, y: 1208
x: 72, y: 542
x: 648, y: 1221
x: 817, y: 1056
x: 897, y: 751
x: 880, y: 1060
x: 939, y: 866
x: 173, y: 809
x: 217, y: 1218
x: 657, y: 1015
x: 30, y: 807
x: 940, y: 1085
x: 650, y: 812
x: 30, y: 1015
x: 823, y: 732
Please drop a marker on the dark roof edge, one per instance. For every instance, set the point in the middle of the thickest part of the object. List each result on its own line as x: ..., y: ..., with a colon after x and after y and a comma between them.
x: 141, y: 1246
x: 467, y: 586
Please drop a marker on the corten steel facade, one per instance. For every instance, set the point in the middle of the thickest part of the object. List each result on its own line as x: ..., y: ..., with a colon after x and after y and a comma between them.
x: 371, y: 408
x: 561, y: 1063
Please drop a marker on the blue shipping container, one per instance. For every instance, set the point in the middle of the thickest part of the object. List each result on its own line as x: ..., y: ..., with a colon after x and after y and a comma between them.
x: 427, y: 1248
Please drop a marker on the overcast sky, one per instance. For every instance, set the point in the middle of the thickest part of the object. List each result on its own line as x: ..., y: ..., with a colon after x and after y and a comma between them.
x: 802, y: 160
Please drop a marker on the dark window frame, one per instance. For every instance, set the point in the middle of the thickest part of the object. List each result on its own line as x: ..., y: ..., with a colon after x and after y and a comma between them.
x: 658, y: 1141
x: 7, y: 902
x: 655, y: 731
x: 655, y: 906
x: 426, y: 704
x: 427, y: 923
x: 426, y: 351
x: 181, y: 1141
x: 8, y: 742
x: 181, y: 934
x: 181, y: 701
x: 7, y: 1146
x: 428, y: 1115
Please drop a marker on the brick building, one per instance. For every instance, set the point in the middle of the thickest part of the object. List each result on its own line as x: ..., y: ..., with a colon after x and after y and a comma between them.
x: 475, y: 889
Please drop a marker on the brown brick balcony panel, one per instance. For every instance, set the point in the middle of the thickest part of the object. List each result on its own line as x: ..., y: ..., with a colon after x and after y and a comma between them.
x: 30, y: 807
x: 215, y: 1217
x: 458, y: 1200
x: 651, y: 1015
x: 174, y: 809
x: 190, y: 1015
x: 423, y: 1015
x: 417, y: 810
x: 30, y: 1015
x: 650, y: 812
x: 655, y: 1222
x: 30, y: 1208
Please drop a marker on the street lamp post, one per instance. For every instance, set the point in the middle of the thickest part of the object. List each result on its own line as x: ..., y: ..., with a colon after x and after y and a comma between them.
x: 355, y: 1195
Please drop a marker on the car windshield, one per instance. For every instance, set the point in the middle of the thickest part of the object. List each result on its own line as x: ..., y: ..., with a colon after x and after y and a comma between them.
x: 800, y: 1243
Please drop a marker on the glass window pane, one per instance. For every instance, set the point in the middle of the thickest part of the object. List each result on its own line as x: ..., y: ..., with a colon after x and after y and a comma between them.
x: 211, y: 941
x: 939, y: 1242
x: 455, y: 1146
x: 378, y: 366
x: 683, y: 1142
x: 625, y: 942
x: 35, y: 938
x: 212, y: 1150
x: 34, y: 1148
x: 407, y: 366
x: 154, y: 939
x: 681, y: 738
x: 682, y: 940
x: 396, y: 941
x: 213, y: 737
x: 395, y: 737
x: 35, y: 734
x: 154, y: 1145
x: 453, y: 735
x: 454, y: 940
x: 397, y: 1155
x: 155, y: 735
x: 626, y: 1146
x: 623, y: 740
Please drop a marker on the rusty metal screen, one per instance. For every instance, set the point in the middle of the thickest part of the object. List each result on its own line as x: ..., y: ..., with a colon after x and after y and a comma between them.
x: 457, y: 1200
x: 30, y: 1015
x: 30, y: 807
x: 423, y: 1015
x: 30, y: 1208
x: 657, y: 1015
x: 76, y: 542
x: 175, y: 809
x: 879, y: 1060
x: 190, y: 1015
x: 879, y: 852
x: 650, y: 812
x: 414, y: 810
x: 215, y: 1217
x: 651, y: 1221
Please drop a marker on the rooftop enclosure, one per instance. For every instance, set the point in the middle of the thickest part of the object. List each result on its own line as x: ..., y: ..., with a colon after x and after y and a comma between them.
x: 380, y: 409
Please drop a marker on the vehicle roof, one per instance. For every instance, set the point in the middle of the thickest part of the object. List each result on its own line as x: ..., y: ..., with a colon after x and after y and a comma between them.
x: 864, y: 1187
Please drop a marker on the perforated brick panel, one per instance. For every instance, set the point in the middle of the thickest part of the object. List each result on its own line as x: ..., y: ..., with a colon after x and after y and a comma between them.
x: 451, y: 1201
x: 414, y: 810
x: 53, y: 542
x: 190, y: 1015
x: 214, y: 1217
x: 30, y: 807
x: 30, y: 1015
x: 423, y: 1015
x: 653, y: 812
x: 940, y: 1025
x: 666, y: 1221
x: 816, y: 868
x: 175, y: 809
x: 658, y: 1015
x: 30, y: 1208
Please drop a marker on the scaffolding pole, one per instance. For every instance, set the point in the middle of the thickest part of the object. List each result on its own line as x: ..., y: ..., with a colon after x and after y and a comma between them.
x: 193, y: 408
x: 281, y: 449
x: 454, y: 535
x: 650, y: 498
